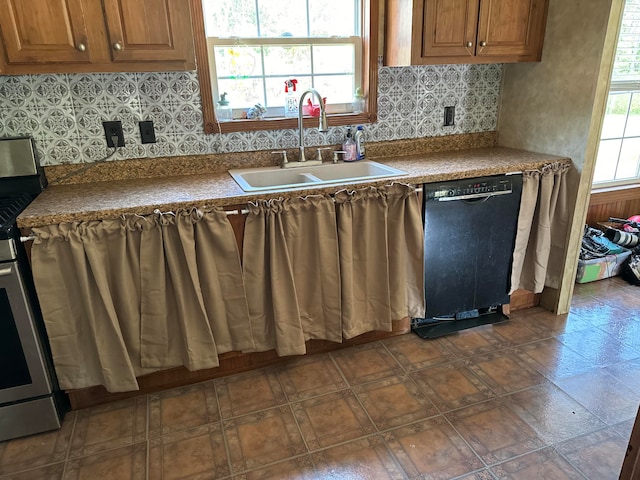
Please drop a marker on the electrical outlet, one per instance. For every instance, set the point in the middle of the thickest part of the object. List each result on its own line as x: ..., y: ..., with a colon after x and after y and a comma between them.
x: 147, y: 132
x: 449, y: 116
x: 113, y: 129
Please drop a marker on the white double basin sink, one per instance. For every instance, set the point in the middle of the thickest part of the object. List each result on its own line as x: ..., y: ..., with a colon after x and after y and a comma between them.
x: 270, y: 178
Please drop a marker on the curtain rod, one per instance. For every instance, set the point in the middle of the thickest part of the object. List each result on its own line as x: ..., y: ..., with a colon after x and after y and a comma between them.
x: 243, y: 211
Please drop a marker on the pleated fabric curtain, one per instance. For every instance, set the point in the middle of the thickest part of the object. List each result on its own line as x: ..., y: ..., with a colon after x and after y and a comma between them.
x: 406, y: 252
x: 292, y: 277
x: 381, y: 257
x: 122, y: 298
x: 542, y: 229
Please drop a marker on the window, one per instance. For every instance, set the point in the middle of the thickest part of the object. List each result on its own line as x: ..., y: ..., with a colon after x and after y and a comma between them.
x: 618, y: 160
x: 249, y: 48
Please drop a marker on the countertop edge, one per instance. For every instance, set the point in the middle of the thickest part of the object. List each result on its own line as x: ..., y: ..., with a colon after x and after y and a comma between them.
x: 47, y: 209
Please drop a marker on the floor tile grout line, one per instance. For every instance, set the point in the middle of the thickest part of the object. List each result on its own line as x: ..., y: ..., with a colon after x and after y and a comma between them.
x: 351, y: 384
x: 295, y: 419
x: 223, y: 430
x: 384, y: 345
x: 473, y: 450
x: 294, y: 400
x: 73, y: 431
x: 9, y: 475
x: 147, y: 432
x: 394, y: 456
x: 270, y: 464
x: 575, y: 467
x: 521, y: 455
x: 364, y: 409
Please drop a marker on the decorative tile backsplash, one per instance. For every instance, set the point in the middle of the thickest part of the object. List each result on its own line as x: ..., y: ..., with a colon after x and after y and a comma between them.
x: 64, y: 113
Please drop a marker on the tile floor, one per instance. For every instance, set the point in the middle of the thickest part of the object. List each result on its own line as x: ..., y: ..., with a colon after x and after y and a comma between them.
x: 537, y: 397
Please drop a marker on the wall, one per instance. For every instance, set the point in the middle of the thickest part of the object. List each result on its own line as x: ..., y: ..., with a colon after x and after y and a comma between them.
x: 64, y: 113
x: 612, y: 203
x: 556, y: 106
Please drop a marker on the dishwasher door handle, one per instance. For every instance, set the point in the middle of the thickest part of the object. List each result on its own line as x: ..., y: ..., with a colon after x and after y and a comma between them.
x: 474, y: 195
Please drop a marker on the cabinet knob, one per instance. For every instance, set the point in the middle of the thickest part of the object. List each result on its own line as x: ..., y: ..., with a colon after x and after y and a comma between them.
x: 469, y: 44
x: 483, y: 44
x: 81, y: 47
x: 117, y: 46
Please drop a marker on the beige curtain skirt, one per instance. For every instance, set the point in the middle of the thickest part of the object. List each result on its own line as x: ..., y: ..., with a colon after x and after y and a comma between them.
x: 542, y: 229
x: 122, y: 298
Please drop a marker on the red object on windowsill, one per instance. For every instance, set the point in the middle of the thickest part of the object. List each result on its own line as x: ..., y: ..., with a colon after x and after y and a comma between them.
x: 311, y: 109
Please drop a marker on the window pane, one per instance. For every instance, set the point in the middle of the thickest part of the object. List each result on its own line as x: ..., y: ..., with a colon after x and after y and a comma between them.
x: 332, y: 18
x: 615, y: 115
x: 633, y: 121
x: 290, y: 61
x: 333, y: 59
x: 628, y: 164
x: 336, y: 88
x: 238, y: 62
x: 283, y: 18
x: 607, y: 160
x: 230, y: 18
x: 627, y: 61
x: 243, y: 93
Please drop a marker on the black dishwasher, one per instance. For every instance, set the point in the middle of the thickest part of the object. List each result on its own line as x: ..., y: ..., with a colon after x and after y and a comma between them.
x: 469, y: 234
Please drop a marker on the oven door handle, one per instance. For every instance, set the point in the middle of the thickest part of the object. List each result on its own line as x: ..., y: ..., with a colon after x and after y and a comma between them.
x: 6, y: 271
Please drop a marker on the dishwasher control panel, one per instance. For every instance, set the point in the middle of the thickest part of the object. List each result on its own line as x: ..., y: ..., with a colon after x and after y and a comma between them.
x: 468, y: 189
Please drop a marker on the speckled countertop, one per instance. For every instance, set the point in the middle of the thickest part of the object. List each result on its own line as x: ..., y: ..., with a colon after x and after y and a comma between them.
x: 110, y: 199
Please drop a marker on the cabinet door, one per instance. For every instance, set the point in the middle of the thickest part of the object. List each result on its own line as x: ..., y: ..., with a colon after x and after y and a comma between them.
x: 149, y: 30
x: 511, y: 28
x: 449, y: 28
x: 44, y: 31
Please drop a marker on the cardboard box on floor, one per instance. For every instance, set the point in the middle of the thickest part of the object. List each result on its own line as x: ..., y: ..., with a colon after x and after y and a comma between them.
x: 631, y: 465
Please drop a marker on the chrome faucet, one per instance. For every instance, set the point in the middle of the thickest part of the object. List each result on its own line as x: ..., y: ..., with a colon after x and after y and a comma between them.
x: 322, y: 127
x: 302, y: 161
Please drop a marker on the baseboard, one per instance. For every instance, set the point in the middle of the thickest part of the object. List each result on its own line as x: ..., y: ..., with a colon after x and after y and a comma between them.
x: 521, y: 299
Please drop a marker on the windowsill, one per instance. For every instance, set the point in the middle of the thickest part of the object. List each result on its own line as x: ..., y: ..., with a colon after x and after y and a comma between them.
x: 334, y: 120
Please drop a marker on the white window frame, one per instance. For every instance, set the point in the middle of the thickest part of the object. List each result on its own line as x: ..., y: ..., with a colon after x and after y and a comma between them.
x: 621, y: 89
x: 368, y: 17
x: 278, y: 112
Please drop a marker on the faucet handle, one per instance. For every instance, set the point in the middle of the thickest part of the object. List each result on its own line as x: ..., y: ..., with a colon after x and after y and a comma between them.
x: 285, y: 160
x: 336, y: 155
x: 319, y: 156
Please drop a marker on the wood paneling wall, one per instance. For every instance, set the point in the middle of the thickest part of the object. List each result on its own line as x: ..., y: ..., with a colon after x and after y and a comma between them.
x: 619, y: 203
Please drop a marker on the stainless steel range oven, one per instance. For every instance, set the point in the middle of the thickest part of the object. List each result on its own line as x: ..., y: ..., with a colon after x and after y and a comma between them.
x: 30, y: 401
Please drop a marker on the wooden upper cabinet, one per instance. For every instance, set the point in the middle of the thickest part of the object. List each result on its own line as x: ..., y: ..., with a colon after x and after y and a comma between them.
x: 72, y: 36
x: 449, y: 28
x: 511, y: 28
x: 463, y: 31
x: 44, y: 31
x: 149, y: 30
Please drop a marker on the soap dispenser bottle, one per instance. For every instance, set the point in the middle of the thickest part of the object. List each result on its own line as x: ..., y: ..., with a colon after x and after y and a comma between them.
x: 349, y: 148
x: 358, y: 138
